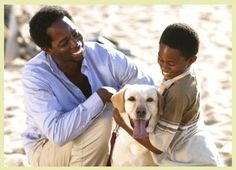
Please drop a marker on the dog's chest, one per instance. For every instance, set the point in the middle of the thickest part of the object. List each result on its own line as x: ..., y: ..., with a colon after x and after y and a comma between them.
x: 128, y: 152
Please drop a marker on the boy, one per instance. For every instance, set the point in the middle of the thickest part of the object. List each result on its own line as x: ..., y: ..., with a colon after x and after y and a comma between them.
x: 178, y: 137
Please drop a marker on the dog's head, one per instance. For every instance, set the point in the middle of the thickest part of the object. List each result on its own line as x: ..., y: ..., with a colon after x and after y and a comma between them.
x: 142, y: 103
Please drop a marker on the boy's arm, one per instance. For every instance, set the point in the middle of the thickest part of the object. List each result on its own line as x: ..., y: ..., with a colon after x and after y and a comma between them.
x: 143, y: 141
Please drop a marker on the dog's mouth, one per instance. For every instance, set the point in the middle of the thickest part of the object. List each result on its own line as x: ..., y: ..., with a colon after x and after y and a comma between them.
x: 139, y: 127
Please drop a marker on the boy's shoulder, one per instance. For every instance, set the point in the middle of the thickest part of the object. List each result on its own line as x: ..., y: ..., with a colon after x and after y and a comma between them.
x: 186, y: 85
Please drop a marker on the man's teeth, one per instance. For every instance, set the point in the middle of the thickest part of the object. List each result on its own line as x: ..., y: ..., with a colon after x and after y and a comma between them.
x: 77, y: 52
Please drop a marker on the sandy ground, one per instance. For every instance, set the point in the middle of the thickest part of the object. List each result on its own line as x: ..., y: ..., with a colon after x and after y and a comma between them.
x: 138, y: 28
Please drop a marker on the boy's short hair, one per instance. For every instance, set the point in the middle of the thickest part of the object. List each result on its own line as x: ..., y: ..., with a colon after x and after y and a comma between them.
x: 181, y: 37
x: 43, y: 19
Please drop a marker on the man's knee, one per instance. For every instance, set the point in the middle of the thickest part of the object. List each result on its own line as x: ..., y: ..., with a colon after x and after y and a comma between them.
x: 91, y: 148
x: 48, y: 154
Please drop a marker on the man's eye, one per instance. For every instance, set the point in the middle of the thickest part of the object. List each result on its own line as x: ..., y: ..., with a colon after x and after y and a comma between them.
x: 149, y: 99
x: 64, y: 44
x: 131, y: 98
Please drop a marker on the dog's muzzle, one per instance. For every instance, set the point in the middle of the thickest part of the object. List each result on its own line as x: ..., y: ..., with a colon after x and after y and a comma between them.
x: 139, y: 124
x: 141, y: 112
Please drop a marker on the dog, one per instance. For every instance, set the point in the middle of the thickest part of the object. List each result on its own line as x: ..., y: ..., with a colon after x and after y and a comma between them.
x: 140, y: 106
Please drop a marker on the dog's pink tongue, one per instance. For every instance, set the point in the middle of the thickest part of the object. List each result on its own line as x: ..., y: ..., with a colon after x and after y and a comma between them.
x: 139, y: 128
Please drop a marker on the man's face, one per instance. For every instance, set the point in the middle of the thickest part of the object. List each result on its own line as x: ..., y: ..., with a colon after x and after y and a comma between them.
x: 67, y: 42
x: 172, y: 62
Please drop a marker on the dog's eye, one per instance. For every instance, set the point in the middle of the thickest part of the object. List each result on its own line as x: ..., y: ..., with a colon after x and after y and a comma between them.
x: 131, y: 98
x: 149, y: 99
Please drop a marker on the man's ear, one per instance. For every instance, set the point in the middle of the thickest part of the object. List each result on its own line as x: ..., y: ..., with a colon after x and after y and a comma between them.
x: 118, y: 100
x: 47, y: 50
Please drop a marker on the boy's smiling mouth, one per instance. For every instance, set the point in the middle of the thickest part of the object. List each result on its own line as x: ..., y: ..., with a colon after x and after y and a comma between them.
x: 166, y: 73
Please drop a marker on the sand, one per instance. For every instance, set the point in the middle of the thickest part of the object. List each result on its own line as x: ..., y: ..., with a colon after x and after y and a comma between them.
x: 138, y: 28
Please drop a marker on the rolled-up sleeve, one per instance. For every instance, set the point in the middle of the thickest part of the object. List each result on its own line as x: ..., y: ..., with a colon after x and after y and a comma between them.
x: 46, y: 112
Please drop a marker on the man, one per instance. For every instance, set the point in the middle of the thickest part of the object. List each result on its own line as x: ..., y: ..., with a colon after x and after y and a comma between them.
x: 67, y: 89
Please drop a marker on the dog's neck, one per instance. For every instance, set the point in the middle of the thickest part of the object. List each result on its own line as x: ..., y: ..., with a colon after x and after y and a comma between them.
x: 127, y: 120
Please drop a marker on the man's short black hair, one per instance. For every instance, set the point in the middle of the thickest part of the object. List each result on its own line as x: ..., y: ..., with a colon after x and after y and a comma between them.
x: 181, y: 37
x: 43, y: 19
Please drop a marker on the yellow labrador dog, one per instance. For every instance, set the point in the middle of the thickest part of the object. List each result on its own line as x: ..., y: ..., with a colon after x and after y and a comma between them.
x: 140, y: 107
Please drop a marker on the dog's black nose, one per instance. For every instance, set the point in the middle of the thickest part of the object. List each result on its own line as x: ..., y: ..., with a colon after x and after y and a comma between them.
x: 141, y: 111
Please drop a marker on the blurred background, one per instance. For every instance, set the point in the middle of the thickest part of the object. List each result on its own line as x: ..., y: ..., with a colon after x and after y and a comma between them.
x: 135, y: 30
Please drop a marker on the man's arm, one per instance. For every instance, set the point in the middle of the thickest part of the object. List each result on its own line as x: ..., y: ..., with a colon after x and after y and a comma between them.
x: 143, y: 141
x: 50, y: 116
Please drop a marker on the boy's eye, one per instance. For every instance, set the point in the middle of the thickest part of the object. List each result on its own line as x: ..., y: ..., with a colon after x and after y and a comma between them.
x: 171, y: 64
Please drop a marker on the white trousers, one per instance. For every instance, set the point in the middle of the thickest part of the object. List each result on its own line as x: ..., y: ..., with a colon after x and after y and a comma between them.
x: 89, y: 149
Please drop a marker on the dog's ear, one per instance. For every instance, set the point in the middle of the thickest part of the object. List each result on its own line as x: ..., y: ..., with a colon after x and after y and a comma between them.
x: 117, y: 100
x: 160, y: 103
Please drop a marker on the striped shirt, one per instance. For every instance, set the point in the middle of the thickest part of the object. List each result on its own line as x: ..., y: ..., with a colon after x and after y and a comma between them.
x: 181, y: 110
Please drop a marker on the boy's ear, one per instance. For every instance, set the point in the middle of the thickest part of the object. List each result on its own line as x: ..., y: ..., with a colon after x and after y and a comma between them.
x: 193, y: 59
x: 118, y: 100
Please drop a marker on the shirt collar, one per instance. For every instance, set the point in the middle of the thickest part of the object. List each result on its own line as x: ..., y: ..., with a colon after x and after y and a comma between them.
x: 53, y: 66
x: 169, y: 82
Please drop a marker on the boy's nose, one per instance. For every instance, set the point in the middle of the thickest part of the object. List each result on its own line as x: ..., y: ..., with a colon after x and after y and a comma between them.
x: 164, y: 66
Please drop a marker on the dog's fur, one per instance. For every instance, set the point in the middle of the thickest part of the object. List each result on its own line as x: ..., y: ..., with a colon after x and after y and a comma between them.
x: 140, y: 105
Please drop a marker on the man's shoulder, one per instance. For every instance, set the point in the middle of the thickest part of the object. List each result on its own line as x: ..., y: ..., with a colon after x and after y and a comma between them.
x: 37, y: 59
x: 101, y: 53
x: 95, y: 46
x: 96, y: 51
x: 38, y: 62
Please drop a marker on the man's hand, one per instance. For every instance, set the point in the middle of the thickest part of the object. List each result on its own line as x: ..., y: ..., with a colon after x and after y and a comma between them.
x: 105, y: 93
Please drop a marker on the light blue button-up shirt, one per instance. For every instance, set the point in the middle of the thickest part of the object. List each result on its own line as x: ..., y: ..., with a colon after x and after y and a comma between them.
x: 56, y: 108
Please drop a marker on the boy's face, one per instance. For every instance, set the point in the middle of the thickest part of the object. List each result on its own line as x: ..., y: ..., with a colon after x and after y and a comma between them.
x: 67, y: 42
x: 172, y: 62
